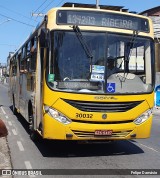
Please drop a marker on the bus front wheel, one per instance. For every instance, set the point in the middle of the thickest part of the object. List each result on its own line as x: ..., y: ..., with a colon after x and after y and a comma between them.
x: 13, y: 106
x: 32, y: 132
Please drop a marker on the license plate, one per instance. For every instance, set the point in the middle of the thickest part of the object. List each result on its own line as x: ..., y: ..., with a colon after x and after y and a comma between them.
x: 103, y: 132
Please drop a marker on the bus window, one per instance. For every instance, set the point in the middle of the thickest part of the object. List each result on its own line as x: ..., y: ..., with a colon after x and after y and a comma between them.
x: 33, y: 44
x: 28, y: 48
x: 23, y: 52
x: 14, y: 67
x: 33, y: 56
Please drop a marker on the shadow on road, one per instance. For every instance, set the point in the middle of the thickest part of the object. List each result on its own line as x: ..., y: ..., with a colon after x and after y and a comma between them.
x: 51, y: 148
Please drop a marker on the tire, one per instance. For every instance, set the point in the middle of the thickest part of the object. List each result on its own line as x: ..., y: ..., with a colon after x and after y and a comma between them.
x: 14, y: 107
x: 33, y: 133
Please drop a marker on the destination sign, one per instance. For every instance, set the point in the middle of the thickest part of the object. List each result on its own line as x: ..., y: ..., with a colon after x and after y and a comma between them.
x: 102, y: 19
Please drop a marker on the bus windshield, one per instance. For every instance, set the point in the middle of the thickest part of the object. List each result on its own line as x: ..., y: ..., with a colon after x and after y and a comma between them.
x: 119, y: 63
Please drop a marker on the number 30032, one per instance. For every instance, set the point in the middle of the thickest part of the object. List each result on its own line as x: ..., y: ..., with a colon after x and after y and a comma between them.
x: 80, y: 115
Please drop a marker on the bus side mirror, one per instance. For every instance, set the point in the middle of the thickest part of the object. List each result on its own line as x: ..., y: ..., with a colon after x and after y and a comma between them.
x: 44, y: 39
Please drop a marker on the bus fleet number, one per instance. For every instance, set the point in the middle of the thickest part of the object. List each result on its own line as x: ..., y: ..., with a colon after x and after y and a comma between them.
x: 80, y: 115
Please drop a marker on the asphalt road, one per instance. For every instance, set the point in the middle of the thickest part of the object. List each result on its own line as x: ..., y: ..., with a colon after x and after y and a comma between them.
x: 119, y: 156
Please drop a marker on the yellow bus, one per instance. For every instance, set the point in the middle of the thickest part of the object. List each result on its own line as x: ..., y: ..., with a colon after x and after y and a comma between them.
x: 86, y: 74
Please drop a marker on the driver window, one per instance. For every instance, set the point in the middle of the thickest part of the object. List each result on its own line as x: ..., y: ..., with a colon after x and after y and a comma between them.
x: 137, y: 59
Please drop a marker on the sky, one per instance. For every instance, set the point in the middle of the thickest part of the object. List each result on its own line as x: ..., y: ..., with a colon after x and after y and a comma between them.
x: 17, y: 23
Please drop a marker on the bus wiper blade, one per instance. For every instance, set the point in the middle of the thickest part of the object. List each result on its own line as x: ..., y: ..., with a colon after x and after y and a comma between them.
x: 128, y: 50
x: 127, y: 55
x: 132, y: 42
x: 82, y: 41
x: 84, y: 45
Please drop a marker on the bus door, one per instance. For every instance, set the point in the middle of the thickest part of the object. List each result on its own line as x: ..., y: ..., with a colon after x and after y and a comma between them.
x: 41, y: 58
x: 39, y: 86
x: 22, y: 90
x: 17, y: 89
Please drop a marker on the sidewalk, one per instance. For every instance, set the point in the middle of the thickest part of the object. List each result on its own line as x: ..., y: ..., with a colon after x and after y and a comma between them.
x: 5, y: 160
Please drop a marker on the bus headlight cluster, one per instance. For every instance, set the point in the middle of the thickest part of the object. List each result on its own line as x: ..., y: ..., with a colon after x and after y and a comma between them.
x: 142, y: 118
x: 57, y: 115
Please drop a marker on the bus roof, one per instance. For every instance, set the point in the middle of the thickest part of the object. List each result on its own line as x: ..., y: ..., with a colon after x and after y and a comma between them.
x: 105, y: 7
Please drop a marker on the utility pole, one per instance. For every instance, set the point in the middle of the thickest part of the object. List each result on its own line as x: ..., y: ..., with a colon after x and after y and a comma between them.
x: 97, y: 4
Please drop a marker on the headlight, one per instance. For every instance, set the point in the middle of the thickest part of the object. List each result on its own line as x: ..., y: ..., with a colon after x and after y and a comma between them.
x: 143, y: 117
x: 57, y: 115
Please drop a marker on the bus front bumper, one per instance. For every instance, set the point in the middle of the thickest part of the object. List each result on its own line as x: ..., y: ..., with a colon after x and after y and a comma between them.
x: 53, y: 129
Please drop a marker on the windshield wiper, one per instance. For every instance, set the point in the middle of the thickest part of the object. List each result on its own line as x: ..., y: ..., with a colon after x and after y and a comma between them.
x: 84, y: 44
x: 128, y: 50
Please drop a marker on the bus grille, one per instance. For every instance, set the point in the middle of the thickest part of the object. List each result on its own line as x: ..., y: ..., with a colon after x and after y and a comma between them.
x: 104, y: 122
x: 85, y: 134
x: 90, y: 106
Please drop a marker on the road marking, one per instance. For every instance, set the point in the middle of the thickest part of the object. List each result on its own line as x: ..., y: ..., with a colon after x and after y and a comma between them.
x: 10, y: 123
x: 14, y: 132
x: 6, y: 117
x: 20, y: 146
x: 150, y: 148
x: 3, y: 110
x: 28, y: 166
x: 147, y: 147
